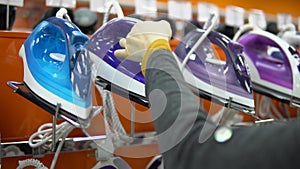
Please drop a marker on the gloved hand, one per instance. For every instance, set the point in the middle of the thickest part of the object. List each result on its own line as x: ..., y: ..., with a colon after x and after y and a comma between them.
x: 141, y: 37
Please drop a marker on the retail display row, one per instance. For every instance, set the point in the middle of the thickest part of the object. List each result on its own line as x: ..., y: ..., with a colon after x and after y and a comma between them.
x: 71, y: 91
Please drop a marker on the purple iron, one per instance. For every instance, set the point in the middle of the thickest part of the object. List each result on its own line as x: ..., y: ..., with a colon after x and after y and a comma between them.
x: 225, y: 82
x: 274, y: 65
x: 123, y: 77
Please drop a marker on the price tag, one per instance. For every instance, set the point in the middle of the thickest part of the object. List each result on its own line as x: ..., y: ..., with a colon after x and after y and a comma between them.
x: 146, y: 7
x: 234, y: 16
x: 12, y: 2
x: 283, y: 19
x: 204, y: 10
x: 61, y: 3
x: 298, y: 24
x: 257, y: 17
x: 180, y: 10
x: 102, y: 6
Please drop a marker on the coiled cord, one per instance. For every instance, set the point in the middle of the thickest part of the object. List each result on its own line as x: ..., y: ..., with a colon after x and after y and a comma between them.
x: 45, y: 132
x: 113, y: 125
x: 31, y: 162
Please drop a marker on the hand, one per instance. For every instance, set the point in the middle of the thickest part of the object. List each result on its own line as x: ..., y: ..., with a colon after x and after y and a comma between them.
x: 140, y: 37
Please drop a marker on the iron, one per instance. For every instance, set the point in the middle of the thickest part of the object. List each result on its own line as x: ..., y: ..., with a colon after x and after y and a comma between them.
x: 57, y: 70
x: 225, y: 82
x: 120, y: 76
x: 125, y: 78
x: 274, y: 65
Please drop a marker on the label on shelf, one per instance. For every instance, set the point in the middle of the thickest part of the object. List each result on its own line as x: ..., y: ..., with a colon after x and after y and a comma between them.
x: 61, y: 3
x: 12, y: 2
x: 180, y: 10
x: 298, y: 24
x: 257, y: 17
x: 283, y: 19
x: 102, y: 6
x: 234, y: 16
x: 146, y: 7
x: 205, y: 9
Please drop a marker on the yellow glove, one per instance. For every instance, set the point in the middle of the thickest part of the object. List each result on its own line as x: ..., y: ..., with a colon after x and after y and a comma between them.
x: 141, y: 36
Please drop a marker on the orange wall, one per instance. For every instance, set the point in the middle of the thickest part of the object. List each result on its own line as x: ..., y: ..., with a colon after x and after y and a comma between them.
x: 270, y: 7
x: 19, y: 118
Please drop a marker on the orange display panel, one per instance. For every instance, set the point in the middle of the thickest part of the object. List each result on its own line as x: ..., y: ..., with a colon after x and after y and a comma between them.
x: 274, y: 7
x: 20, y: 118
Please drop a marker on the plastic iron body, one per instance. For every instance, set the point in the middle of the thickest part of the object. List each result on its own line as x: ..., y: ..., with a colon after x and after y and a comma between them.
x: 120, y: 76
x: 224, y: 81
x: 57, y: 69
x: 274, y: 66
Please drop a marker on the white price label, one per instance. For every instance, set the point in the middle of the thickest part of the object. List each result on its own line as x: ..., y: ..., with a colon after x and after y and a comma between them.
x: 180, y: 10
x: 102, y: 6
x: 61, y: 3
x: 12, y: 2
x: 298, y: 24
x: 146, y: 7
x: 257, y: 17
x: 234, y: 16
x: 204, y: 11
x: 283, y: 19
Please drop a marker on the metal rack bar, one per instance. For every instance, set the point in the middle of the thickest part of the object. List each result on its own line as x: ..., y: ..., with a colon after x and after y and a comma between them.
x: 74, y: 144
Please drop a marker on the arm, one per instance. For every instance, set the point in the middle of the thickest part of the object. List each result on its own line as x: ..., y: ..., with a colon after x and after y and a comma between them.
x: 179, y: 121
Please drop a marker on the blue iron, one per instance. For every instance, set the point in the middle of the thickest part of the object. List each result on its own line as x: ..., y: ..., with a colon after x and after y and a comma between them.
x: 57, y: 69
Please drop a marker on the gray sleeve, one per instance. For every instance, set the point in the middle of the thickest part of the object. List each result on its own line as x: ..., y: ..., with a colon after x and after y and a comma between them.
x: 180, y: 122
